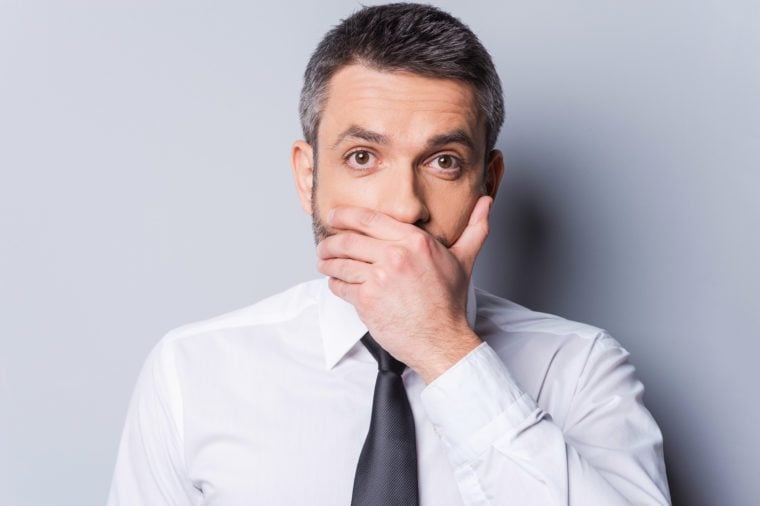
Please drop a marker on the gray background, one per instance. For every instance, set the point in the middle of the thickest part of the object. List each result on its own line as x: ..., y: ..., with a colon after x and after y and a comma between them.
x: 146, y: 184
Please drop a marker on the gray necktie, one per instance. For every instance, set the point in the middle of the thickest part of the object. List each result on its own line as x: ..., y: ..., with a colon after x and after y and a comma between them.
x: 386, y: 473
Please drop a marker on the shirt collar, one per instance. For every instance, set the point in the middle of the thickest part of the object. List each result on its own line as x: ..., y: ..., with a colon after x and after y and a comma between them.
x: 342, y: 328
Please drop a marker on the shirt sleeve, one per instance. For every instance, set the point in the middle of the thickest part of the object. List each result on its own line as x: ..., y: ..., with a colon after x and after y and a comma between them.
x: 150, y: 463
x: 504, y: 449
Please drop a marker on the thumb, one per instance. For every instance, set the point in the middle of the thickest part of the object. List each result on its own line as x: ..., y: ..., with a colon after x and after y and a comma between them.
x: 468, y: 245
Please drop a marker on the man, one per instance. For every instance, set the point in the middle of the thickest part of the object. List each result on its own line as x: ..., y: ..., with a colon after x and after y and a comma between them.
x: 392, y: 380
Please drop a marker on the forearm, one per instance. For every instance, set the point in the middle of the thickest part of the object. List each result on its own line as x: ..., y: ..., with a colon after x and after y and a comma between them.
x: 501, y: 444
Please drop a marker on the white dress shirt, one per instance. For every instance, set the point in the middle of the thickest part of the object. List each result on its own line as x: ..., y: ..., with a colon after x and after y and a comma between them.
x: 270, y: 405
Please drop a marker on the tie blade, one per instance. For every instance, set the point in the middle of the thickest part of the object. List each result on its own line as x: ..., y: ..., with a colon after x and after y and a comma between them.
x: 386, y: 473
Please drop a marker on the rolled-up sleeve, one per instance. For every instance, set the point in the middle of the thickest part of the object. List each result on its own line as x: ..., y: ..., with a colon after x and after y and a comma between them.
x: 505, y: 449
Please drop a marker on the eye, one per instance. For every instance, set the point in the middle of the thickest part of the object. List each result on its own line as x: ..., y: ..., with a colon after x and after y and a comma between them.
x: 361, y: 159
x: 447, y: 162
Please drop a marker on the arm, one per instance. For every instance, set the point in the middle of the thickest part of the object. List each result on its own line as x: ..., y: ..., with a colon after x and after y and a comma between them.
x: 506, y: 450
x: 150, y: 465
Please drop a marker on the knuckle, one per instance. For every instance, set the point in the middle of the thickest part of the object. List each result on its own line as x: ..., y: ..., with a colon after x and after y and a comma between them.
x: 364, y: 298
x: 345, y: 241
x: 397, y: 256
x: 332, y: 283
x: 380, y: 276
x: 367, y: 217
x: 420, y: 242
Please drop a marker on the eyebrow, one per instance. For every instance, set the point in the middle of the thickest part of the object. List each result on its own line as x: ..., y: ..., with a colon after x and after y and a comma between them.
x: 457, y: 136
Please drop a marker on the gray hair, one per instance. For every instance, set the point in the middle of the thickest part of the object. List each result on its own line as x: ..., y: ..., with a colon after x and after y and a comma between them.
x: 413, y: 37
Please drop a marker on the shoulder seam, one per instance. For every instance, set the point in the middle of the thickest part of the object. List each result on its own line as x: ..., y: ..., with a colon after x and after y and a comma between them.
x: 206, y: 325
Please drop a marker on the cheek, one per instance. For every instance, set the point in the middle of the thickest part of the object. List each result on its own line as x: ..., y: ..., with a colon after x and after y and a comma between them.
x: 455, y: 218
x: 328, y: 187
x: 335, y: 188
x: 451, y: 214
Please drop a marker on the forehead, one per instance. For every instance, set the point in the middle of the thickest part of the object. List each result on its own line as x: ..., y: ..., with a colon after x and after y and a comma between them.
x: 399, y: 103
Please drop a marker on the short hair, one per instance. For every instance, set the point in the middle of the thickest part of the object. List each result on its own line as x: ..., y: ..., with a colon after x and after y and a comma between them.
x: 413, y: 37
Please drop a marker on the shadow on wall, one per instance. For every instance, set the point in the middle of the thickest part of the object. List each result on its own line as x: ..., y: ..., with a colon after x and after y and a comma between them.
x: 526, y: 261
x: 516, y: 258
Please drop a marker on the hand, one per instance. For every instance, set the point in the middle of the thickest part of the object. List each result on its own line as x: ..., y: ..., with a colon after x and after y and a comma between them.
x: 408, y: 288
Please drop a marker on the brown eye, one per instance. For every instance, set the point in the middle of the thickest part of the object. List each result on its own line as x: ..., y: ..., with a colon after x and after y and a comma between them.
x: 360, y: 160
x: 444, y: 161
x: 448, y: 162
x: 362, y: 157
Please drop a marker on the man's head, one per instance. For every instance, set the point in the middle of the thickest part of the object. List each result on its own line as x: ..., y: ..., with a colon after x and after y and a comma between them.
x: 400, y: 109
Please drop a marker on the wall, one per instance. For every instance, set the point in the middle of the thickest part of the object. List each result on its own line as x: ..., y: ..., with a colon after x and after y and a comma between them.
x: 146, y: 184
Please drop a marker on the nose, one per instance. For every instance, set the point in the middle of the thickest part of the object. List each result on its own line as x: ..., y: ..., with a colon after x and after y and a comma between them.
x: 403, y: 198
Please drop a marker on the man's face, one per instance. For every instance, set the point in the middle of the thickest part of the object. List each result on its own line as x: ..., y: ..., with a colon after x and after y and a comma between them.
x: 409, y: 146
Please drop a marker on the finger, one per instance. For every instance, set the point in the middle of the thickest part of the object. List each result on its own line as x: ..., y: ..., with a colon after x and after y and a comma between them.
x: 369, y: 222
x: 346, y: 291
x: 474, y: 235
x: 345, y: 269
x: 350, y: 245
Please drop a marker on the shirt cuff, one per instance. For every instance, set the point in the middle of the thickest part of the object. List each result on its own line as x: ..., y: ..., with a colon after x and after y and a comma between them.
x: 475, y: 402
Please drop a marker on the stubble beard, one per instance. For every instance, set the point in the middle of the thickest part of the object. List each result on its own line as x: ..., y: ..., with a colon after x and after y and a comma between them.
x: 318, y: 227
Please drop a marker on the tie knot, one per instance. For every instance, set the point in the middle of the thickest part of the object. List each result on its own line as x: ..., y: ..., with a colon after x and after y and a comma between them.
x: 385, y: 361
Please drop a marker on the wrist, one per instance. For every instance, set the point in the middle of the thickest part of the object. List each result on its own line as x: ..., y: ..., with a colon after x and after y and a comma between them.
x: 457, y: 346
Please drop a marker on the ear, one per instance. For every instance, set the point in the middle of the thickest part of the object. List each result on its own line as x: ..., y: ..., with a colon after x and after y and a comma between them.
x: 302, y: 162
x: 494, y: 172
